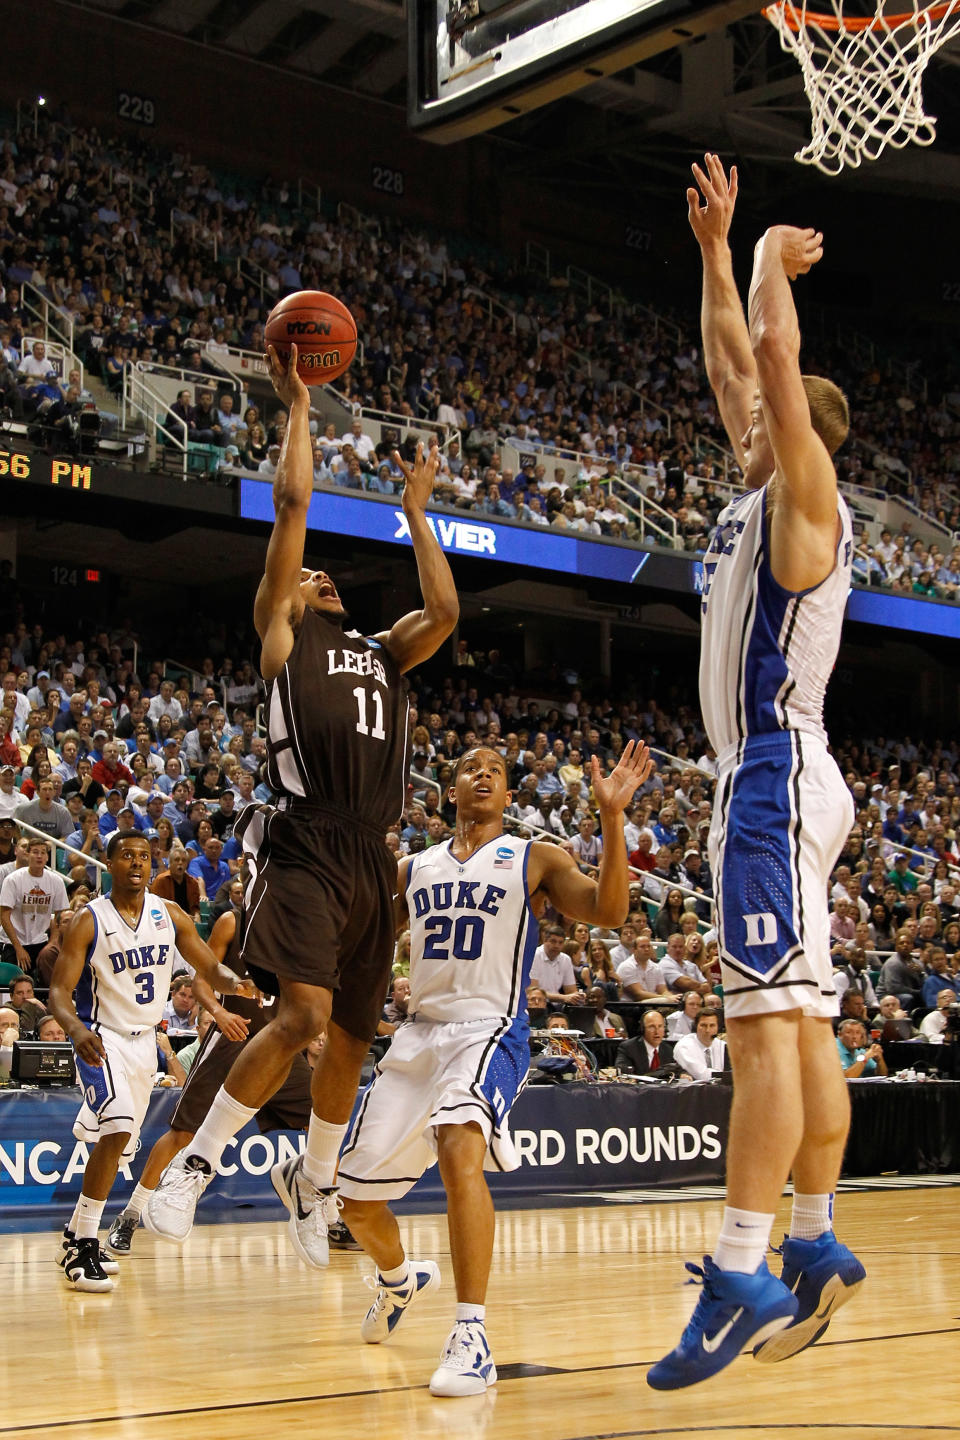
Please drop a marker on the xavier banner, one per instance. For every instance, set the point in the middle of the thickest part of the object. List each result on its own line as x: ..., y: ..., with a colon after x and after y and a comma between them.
x: 569, y: 1138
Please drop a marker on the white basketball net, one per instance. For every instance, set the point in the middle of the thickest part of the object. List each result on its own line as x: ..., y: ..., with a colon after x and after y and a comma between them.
x: 864, y: 77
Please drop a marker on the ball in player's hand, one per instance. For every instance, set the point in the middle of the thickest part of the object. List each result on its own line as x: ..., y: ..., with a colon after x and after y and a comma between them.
x: 321, y: 327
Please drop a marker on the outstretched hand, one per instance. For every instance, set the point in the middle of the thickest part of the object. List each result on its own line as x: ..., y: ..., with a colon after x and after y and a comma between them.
x: 615, y: 791
x: 284, y: 377
x: 799, y: 249
x: 418, y: 478
x: 710, y: 221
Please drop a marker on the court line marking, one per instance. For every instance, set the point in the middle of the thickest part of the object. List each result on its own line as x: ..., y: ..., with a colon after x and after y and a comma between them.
x: 585, y: 1370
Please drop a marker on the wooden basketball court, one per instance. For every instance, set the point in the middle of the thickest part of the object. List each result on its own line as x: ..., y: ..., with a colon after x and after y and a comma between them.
x: 233, y: 1337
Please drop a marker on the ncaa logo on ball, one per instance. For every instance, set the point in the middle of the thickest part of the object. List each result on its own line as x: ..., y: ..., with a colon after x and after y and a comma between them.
x: 307, y: 327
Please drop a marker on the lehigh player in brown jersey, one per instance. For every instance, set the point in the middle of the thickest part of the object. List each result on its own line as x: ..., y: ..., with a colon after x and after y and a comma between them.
x: 320, y: 901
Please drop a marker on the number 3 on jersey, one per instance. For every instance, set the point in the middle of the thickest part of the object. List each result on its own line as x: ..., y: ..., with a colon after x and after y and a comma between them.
x: 363, y: 728
x: 143, y: 984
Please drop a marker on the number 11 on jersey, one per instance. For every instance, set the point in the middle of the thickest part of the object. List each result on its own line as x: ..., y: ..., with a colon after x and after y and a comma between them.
x: 378, y: 731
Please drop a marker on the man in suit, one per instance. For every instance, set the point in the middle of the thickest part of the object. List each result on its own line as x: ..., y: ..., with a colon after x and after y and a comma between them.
x: 648, y: 1052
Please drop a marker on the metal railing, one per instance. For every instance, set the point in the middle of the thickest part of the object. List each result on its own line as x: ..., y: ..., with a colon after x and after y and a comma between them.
x: 55, y: 322
x: 495, y: 308
x: 139, y: 398
x: 62, y: 845
x: 645, y: 404
x: 181, y: 220
x: 667, y: 524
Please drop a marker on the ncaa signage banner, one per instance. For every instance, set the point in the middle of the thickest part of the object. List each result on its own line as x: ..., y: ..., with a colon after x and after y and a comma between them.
x: 571, y: 1137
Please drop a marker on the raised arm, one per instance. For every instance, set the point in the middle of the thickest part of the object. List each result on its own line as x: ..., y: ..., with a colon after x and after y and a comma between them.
x: 64, y: 981
x: 727, y: 354
x: 278, y: 605
x: 603, y: 901
x: 804, y: 525
x: 418, y: 635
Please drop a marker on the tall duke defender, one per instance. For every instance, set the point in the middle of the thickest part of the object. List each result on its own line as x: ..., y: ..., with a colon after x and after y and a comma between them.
x: 108, y: 989
x: 775, y: 586
x: 444, y: 1090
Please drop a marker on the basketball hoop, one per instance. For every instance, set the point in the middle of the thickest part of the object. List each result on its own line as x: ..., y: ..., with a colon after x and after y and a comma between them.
x: 863, y: 76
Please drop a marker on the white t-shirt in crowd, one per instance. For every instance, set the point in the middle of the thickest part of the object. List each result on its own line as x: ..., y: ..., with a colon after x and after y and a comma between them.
x: 33, y: 901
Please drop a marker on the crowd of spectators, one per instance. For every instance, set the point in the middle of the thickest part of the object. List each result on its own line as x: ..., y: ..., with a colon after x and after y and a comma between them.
x: 142, y: 252
x: 87, y: 747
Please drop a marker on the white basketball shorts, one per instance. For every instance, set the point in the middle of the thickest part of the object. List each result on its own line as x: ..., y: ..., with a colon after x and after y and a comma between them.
x: 434, y: 1074
x: 116, y: 1094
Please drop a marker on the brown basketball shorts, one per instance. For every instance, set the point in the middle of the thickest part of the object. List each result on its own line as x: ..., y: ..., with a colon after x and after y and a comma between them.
x: 319, y: 909
x: 288, y: 1109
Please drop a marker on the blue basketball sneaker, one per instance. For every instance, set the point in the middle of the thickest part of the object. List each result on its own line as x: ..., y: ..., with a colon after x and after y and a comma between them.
x: 735, y: 1312
x: 823, y: 1274
x: 392, y: 1301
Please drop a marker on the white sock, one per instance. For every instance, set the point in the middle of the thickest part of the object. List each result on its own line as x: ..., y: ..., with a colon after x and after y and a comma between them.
x: 744, y: 1237
x: 467, y: 1311
x: 138, y: 1201
x: 87, y: 1219
x: 225, y: 1117
x: 72, y: 1227
x: 398, y: 1276
x: 812, y: 1216
x: 322, y: 1152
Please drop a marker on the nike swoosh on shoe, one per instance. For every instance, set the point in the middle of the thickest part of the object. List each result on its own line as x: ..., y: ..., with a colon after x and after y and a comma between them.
x: 710, y: 1345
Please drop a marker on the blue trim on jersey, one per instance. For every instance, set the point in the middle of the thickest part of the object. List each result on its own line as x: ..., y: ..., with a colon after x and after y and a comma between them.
x: 85, y: 992
x: 532, y: 939
x: 758, y: 873
x: 765, y: 669
x: 506, y: 1071
x: 96, y: 1088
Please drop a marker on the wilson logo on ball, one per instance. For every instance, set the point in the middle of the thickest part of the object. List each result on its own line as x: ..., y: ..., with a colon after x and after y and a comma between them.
x: 307, y: 327
x: 328, y: 360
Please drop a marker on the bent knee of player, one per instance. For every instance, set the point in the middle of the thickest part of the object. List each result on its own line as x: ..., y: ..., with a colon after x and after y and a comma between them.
x: 302, y: 1016
x: 461, y: 1151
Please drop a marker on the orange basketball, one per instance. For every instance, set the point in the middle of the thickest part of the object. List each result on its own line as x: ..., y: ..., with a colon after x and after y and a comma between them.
x: 321, y: 327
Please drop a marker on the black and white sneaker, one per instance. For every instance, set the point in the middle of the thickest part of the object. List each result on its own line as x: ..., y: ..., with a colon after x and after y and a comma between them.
x: 110, y: 1266
x: 121, y: 1233
x: 340, y: 1237
x: 82, y: 1266
x: 312, y: 1211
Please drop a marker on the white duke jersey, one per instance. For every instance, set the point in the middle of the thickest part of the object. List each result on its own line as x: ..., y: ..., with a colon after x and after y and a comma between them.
x: 126, y: 973
x: 472, y: 933
x: 765, y: 653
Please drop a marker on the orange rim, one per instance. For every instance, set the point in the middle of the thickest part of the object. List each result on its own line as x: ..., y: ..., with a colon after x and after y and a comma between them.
x: 795, y: 19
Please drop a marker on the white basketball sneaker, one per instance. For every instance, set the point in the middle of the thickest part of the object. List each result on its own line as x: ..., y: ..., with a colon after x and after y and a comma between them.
x: 312, y: 1211
x: 387, y: 1310
x: 466, y: 1365
x: 170, y: 1210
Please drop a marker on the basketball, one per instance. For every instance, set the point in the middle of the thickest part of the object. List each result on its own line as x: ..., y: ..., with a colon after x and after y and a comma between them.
x: 324, y: 331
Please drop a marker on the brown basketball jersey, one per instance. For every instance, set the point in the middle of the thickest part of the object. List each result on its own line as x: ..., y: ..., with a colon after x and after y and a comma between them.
x: 233, y: 960
x: 337, y: 724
